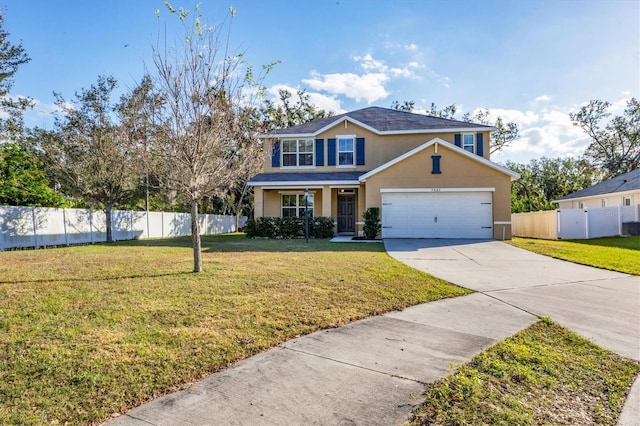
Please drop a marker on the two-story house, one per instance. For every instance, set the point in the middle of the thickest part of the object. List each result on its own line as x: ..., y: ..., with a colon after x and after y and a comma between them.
x: 430, y: 177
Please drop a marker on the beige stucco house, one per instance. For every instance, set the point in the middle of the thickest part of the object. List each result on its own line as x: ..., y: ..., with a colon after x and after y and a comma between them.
x: 623, y: 190
x: 430, y: 177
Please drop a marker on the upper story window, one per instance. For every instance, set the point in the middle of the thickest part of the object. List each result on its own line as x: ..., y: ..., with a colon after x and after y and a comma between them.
x: 297, y: 153
x: 626, y: 202
x: 468, y: 142
x: 346, y: 145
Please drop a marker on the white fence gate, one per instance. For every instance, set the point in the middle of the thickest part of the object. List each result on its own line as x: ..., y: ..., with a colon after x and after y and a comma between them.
x: 575, y: 224
x: 22, y: 227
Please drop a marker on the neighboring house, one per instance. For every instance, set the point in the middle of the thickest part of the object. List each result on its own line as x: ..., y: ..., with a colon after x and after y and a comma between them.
x: 623, y: 190
x: 431, y: 177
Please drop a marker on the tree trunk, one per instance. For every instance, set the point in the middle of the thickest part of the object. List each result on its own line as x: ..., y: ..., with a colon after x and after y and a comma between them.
x: 107, y: 212
x: 195, y: 238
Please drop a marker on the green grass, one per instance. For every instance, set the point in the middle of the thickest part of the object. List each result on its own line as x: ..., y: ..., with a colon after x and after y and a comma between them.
x: 543, y: 375
x: 614, y: 253
x: 88, y: 332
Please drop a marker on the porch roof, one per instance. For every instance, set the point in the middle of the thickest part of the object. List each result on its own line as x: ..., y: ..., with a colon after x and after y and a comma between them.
x: 306, y: 178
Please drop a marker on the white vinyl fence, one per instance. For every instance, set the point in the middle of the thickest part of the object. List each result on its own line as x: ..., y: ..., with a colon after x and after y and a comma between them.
x: 23, y: 227
x: 567, y: 224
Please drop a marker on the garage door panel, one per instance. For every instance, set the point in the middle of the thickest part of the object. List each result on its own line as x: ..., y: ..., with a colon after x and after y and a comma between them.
x: 437, y: 215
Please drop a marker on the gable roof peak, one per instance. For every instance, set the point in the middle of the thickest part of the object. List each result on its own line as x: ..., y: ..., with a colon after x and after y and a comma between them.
x: 382, y: 121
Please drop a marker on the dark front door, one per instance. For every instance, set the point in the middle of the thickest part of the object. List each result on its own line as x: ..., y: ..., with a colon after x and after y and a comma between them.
x: 346, y: 215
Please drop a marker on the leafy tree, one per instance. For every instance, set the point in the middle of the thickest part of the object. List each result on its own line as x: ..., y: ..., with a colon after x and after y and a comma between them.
x: 11, y: 57
x: 200, y: 131
x: 22, y: 180
x: 94, y: 152
x: 614, y: 148
x: 502, y: 137
x: 285, y: 113
x: 547, y: 179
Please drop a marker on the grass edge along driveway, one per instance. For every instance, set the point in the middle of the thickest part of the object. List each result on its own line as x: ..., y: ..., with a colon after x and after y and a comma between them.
x: 544, y: 374
x: 91, y: 331
x: 613, y: 253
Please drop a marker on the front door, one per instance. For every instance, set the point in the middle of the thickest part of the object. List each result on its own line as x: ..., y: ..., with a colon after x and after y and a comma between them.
x: 346, y: 215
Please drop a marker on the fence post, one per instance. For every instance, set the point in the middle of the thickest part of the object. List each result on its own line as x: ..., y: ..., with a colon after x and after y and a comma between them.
x: 35, y: 229
x: 91, y: 237
x: 2, y: 213
x: 64, y: 226
x: 586, y: 224
x: 619, y: 219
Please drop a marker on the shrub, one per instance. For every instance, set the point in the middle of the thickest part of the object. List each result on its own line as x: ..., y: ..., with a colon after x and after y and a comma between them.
x: 289, y: 227
x: 372, y: 226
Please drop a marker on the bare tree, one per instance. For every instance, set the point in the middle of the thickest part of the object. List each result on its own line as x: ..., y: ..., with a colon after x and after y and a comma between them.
x: 199, y: 126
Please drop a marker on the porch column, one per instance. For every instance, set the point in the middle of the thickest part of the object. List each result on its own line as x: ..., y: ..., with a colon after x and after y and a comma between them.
x: 258, y: 202
x: 326, y: 201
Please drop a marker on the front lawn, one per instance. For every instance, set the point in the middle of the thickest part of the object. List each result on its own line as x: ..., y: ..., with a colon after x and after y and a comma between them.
x: 613, y: 253
x: 545, y: 374
x: 88, y: 332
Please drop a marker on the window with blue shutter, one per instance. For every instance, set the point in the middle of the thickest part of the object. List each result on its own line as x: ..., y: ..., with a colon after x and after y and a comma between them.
x: 458, y: 140
x: 331, y: 152
x: 319, y: 152
x: 435, y: 164
x: 479, y: 145
x: 275, y: 154
x: 360, y: 151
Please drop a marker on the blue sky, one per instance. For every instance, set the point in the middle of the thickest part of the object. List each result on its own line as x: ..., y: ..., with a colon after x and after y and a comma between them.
x: 528, y: 61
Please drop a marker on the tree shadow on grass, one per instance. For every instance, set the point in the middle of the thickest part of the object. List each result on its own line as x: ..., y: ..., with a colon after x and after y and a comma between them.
x: 237, y: 242
x: 93, y: 279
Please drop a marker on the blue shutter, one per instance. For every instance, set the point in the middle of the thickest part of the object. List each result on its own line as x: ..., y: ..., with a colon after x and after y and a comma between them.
x: 275, y: 154
x: 319, y: 152
x: 360, y: 151
x: 331, y: 152
x: 435, y: 165
x: 458, y: 139
x: 479, y: 145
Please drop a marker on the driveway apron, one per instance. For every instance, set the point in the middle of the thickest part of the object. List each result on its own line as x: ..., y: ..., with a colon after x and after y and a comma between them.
x: 374, y: 371
x: 603, y: 306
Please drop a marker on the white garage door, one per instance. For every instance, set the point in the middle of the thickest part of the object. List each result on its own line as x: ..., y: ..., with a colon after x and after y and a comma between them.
x: 437, y: 215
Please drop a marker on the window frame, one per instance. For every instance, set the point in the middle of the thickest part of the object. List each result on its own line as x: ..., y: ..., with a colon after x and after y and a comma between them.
x: 299, y: 207
x: 297, y: 153
x: 473, y: 142
x: 352, y: 151
x: 624, y: 201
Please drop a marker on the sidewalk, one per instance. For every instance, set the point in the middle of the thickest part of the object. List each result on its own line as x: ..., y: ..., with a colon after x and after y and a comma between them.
x: 370, y: 372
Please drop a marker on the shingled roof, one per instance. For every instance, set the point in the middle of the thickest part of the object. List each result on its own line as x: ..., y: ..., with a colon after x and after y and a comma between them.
x: 380, y: 120
x: 626, y: 182
x: 324, y: 177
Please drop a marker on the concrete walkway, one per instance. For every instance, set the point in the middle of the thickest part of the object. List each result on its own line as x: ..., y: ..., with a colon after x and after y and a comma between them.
x: 374, y: 371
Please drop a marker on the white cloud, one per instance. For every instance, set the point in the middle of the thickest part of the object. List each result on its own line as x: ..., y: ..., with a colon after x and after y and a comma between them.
x: 549, y: 133
x: 522, y: 118
x: 369, y: 87
x: 543, y: 98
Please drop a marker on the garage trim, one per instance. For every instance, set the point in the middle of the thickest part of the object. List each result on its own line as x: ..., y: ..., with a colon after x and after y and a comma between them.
x: 429, y: 190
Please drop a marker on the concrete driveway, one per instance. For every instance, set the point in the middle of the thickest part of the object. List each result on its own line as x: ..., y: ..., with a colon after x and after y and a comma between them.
x: 603, y: 306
